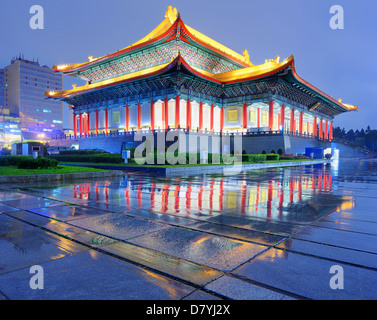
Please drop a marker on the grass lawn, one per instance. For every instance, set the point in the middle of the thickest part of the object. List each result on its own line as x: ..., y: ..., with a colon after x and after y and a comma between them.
x: 12, y: 171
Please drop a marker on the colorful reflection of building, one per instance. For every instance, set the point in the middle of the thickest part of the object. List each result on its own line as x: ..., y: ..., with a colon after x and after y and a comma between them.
x: 286, y: 196
x: 178, y: 77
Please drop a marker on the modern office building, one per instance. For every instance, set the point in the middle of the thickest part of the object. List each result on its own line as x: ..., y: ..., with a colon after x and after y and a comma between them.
x: 10, y: 129
x: 176, y: 78
x: 1, y: 87
x: 25, y: 83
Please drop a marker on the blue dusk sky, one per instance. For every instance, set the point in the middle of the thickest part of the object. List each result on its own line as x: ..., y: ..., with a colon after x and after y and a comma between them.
x: 342, y: 63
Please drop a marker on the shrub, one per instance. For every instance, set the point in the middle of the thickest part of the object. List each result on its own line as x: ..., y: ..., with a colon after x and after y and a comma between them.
x: 132, y: 153
x: 292, y: 157
x: 12, y: 160
x: 264, y: 152
x: 80, y: 152
x: 45, y: 163
x: 254, y: 158
x: 42, y: 163
x: 28, y: 164
x: 260, y: 158
x: 280, y: 152
x: 97, y: 158
x: 214, y: 158
x: 272, y: 157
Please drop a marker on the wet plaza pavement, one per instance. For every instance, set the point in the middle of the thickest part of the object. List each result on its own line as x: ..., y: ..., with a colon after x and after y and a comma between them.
x: 267, y: 234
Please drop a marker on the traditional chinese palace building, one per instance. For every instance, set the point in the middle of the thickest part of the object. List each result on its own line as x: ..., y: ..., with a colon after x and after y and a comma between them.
x: 176, y: 77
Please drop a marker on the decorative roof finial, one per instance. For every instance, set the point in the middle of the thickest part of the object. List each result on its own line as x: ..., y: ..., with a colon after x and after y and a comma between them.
x: 246, y: 57
x: 171, y: 14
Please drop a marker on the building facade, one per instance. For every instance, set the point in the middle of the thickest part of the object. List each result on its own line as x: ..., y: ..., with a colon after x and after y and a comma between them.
x: 25, y: 83
x: 1, y: 87
x: 177, y: 78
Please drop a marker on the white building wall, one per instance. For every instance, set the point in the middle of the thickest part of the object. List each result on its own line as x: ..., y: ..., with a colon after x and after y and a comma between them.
x: 158, y: 114
x: 206, y: 116
x: 194, y: 114
x: 171, y: 113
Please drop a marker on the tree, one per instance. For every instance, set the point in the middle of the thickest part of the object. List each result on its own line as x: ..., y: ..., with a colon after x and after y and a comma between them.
x: 350, y: 136
x: 371, y: 139
x: 337, y: 133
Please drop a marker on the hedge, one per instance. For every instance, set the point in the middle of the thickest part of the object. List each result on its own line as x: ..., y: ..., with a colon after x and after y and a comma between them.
x: 99, y: 158
x: 292, y: 157
x: 41, y: 163
x: 272, y: 157
x: 12, y: 160
x: 194, y: 158
x: 254, y: 158
x: 184, y: 158
x: 80, y: 152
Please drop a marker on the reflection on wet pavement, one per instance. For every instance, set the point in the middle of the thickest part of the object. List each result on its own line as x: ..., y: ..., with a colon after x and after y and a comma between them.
x: 260, y: 231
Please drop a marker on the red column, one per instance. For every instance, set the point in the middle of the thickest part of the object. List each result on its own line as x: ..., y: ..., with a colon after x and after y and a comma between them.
x: 152, y: 115
x: 80, y: 123
x: 307, y: 128
x: 331, y: 131
x: 326, y: 130
x: 163, y: 115
x: 188, y: 114
x: 201, y: 115
x: 177, y: 107
x: 138, y: 116
x: 293, y: 120
x: 270, y: 115
x: 74, y: 124
x: 106, y: 121
x: 166, y: 113
x: 282, y: 117
x: 300, y: 125
x: 127, y: 118
x: 211, y: 122
x: 315, y: 127
x: 321, y: 129
x: 244, y: 116
x: 258, y: 117
x: 87, y: 123
x: 96, y: 121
